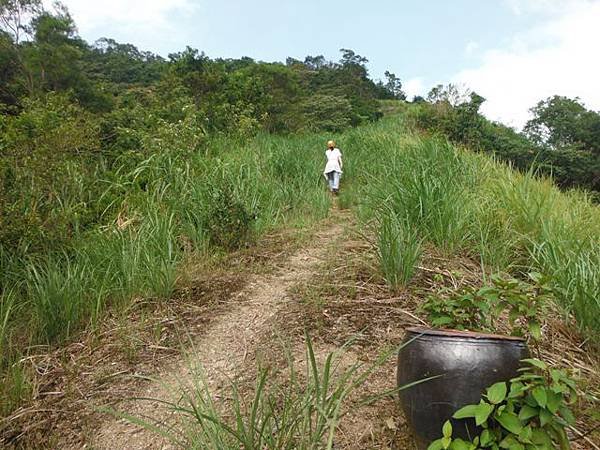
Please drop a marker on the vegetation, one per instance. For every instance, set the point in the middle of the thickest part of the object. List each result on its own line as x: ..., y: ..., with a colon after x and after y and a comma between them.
x: 302, y: 413
x: 467, y: 203
x: 530, y: 413
x: 560, y: 140
x: 477, y: 309
x: 118, y: 165
x: 399, y: 250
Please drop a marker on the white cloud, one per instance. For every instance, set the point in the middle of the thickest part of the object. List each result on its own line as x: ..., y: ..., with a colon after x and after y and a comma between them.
x: 471, y: 48
x: 414, y: 86
x: 144, y: 15
x: 558, y: 57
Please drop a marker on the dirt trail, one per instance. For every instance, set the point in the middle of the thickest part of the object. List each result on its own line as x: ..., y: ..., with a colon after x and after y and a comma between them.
x: 229, y: 343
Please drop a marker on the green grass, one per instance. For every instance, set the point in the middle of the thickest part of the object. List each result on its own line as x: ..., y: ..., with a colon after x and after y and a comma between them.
x: 159, y: 210
x: 467, y: 203
x: 295, y: 408
x: 399, y: 250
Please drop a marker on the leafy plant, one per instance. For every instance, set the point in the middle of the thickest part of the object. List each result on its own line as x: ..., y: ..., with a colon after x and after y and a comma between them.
x: 228, y: 221
x: 531, y: 412
x: 478, y: 309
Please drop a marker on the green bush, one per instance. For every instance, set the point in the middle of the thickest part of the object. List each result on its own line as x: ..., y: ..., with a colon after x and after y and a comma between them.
x: 228, y: 222
x: 477, y: 309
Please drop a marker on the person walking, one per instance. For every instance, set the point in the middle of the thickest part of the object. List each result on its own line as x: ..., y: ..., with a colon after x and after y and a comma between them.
x: 333, y: 167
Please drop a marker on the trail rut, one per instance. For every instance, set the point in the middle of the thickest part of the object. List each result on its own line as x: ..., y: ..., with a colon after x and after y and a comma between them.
x: 229, y: 343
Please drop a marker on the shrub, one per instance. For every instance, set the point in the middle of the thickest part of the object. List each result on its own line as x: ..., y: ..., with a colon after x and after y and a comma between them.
x: 227, y: 220
x: 477, y: 309
x: 530, y: 413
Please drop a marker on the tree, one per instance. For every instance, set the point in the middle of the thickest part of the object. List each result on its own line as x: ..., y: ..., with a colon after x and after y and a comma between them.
x: 118, y: 63
x: 563, y: 122
x: 394, y: 86
x: 350, y: 58
x: 315, y: 62
x: 56, y: 52
x: 15, y: 17
x: 450, y: 94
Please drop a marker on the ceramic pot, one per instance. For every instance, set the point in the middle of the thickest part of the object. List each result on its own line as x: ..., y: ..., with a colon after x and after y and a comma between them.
x: 467, y: 364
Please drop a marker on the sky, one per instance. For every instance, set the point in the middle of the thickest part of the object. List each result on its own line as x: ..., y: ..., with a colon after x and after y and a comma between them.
x: 512, y: 52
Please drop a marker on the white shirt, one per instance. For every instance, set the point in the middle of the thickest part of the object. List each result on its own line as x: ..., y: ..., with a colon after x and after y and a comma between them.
x: 334, y: 161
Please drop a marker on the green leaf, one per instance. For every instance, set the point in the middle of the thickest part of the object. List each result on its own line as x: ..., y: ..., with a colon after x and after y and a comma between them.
x: 545, y: 417
x: 486, y: 437
x: 510, y: 422
x: 525, y: 435
x: 540, y: 437
x: 511, y: 443
x: 446, y: 441
x: 535, y: 330
x: 459, y: 444
x: 553, y: 402
x: 516, y: 389
x: 535, y: 362
x: 436, y: 445
x: 483, y: 412
x: 567, y: 415
x: 466, y: 412
x: 496, y: 393
x: 447, y: 429
x: 527, y: 412
x: 539, y: 394
x: 440, y: 321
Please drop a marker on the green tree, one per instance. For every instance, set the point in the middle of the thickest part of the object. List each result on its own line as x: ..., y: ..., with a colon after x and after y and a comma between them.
x: 450, y: 94
x: 15, y: 26
x: 563, y: 122
x: 394, y: 86
x: 123, y: 64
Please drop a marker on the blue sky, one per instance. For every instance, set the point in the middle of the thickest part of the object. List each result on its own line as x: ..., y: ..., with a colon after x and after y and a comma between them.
x: 513, y: 52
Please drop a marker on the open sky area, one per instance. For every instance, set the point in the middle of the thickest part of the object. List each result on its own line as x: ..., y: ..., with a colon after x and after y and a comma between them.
x: 512, y: 52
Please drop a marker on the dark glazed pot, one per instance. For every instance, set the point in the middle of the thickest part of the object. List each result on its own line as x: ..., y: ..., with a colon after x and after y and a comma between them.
x: 467, y: 362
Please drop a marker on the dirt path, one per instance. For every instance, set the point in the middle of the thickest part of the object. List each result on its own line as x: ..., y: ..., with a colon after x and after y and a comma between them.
x: 228, y: 344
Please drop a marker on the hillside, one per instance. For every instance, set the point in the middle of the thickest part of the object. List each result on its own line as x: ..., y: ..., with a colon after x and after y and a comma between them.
x: 228, y: 254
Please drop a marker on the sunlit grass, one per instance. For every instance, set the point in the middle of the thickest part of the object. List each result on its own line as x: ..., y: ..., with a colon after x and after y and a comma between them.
x: 399, y: 249
x: 294, y: 407
x: 468, y: 203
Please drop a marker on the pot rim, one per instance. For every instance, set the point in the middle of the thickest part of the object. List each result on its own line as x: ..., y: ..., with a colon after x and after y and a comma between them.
x: 464, y: 334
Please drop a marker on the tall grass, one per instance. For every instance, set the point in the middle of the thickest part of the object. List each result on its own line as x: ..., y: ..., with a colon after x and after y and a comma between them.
x: 159, y: 204
x: 399, y: 250
x: 468, y: 203
x: 155, y: 207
